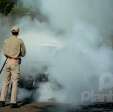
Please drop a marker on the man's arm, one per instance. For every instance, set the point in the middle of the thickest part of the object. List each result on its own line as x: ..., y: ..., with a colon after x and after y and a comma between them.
x: 23, y: 49
x: 4, y: 50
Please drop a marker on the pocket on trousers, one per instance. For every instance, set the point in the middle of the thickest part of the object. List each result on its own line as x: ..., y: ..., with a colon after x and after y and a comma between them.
x: 15, y: 68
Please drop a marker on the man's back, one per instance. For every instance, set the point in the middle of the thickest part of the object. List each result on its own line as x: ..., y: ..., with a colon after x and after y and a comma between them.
x: 12, y: 47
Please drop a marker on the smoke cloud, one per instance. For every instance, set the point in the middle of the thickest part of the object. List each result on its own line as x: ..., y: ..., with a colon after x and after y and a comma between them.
x: 74, y: 44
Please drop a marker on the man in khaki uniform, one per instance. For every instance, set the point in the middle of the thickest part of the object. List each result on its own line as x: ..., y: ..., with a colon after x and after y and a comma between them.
x: 13, y: 49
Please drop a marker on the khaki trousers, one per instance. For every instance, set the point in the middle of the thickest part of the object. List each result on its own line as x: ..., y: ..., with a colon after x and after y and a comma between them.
x: 12, y: 74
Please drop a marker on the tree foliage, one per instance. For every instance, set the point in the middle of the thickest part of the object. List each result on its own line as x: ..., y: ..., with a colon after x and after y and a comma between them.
x: 6, y: 6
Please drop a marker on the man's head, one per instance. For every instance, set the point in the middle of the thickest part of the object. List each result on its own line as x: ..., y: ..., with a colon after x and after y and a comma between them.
x: 15, y: 30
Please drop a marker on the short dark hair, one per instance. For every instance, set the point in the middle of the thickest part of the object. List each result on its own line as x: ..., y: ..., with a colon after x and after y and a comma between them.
x: 15, y: 33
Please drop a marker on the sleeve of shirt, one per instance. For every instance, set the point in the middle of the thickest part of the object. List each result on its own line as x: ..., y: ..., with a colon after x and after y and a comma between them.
x: 4, y: 49
x: 23, y: 48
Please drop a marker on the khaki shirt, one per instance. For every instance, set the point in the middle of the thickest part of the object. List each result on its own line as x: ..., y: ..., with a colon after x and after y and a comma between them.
x: 14, y: 47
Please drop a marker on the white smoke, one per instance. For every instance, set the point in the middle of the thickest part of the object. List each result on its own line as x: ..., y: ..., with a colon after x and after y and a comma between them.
x: 83, y: 59
x: 75, y: 44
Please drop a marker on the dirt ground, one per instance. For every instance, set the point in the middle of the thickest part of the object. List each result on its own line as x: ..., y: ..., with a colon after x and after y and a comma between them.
x: 56, y: 107
x: 32, y: 107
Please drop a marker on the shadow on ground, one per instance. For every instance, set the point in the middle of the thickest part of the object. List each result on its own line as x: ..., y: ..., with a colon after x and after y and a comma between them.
x: 55, y: 107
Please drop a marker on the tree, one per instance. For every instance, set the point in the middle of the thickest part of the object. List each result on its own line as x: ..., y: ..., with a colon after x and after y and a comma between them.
x: 6, y: 6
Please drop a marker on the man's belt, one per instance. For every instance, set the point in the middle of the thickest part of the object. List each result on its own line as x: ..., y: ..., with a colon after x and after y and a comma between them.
x: 16, y: 59
x: 13, y: 58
